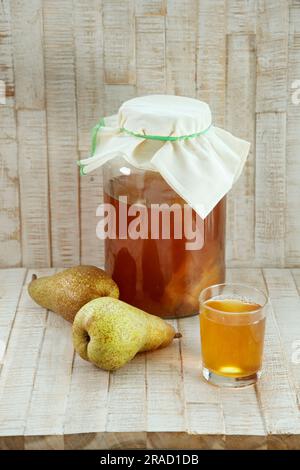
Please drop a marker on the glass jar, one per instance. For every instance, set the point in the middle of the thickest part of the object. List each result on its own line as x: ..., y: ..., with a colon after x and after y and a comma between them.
x: 159, y: 273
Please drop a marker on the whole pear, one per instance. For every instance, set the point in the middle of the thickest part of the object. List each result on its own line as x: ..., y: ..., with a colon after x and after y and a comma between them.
x: 109, y: 332
x: 67, y: 291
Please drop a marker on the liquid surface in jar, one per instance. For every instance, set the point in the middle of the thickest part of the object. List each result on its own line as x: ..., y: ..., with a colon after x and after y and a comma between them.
x: 160, y: 275
x: 232, y: 337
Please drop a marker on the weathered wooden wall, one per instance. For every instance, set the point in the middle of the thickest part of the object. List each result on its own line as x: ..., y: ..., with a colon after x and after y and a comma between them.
x: 68, y: 62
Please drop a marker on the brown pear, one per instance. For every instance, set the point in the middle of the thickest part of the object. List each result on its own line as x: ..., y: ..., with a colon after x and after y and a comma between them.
x: 67, y: 291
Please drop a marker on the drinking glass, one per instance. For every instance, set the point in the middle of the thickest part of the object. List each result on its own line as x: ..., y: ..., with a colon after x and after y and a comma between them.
x: 232, y: 327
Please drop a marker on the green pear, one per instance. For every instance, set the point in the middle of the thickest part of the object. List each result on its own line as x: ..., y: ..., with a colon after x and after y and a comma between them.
x: 67, y: 291
x: 109, y: 332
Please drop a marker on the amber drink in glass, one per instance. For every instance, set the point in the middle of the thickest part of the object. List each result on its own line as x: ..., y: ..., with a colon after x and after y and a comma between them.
x: 232, y: 327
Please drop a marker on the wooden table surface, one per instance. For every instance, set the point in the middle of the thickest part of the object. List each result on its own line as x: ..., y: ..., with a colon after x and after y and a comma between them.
x: 50, y: 398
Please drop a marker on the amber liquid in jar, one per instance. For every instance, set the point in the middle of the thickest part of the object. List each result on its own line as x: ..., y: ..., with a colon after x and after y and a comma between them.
x: 232, y: 338
x: 160, y: 275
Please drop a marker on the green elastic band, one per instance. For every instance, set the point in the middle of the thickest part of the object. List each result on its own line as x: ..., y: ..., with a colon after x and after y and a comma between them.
x: 164, y: 137
x: 95, y: 130
x: 81, y: 169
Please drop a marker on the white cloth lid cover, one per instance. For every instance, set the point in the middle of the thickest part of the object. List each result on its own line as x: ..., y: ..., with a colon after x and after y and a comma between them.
x: 201, y: 169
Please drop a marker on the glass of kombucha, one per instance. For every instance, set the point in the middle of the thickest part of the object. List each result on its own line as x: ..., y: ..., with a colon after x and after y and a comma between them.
x: 232, y: 328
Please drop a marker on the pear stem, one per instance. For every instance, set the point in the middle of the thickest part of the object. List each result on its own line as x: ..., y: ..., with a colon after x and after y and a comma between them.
x: 34, y: 277
x: 178, y: 335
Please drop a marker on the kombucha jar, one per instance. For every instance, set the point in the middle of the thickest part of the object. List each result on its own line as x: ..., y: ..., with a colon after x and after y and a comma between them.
x: 159, y: 269
x: 167, y: 170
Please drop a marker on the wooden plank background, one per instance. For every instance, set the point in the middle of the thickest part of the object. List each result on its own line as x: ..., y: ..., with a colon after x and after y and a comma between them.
x: 66, y: 63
